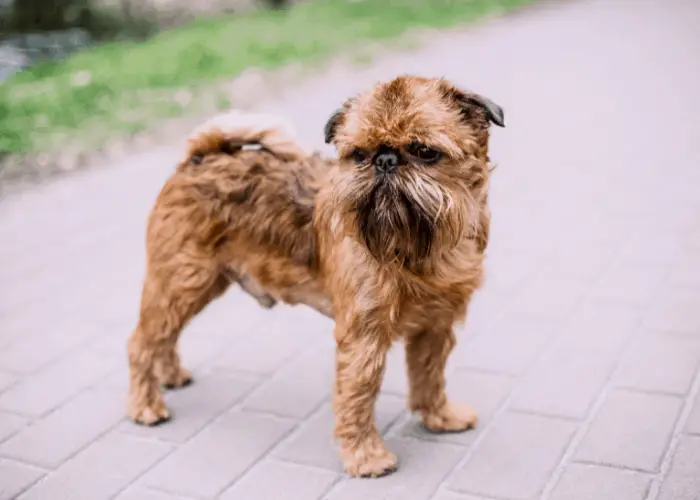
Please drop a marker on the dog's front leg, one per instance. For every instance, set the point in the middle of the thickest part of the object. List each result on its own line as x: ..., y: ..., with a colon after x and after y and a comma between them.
x: 426, y: 357
x: 360, y: 361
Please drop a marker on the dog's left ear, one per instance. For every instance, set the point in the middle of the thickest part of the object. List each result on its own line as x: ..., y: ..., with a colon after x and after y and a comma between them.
x: 493, y: 111
x: 467, y: 101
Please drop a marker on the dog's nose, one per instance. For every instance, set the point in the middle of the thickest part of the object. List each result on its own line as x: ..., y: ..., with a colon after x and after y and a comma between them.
x: 386, y: 162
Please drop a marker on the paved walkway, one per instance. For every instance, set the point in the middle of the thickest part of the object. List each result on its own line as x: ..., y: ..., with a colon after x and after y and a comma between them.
x: 581, y: 353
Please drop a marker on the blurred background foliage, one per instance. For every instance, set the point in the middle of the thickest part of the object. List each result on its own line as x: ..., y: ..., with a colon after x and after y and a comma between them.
x: 144, y: 59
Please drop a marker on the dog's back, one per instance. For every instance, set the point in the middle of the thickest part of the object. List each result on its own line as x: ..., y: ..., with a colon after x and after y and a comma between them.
x: 250, y: 196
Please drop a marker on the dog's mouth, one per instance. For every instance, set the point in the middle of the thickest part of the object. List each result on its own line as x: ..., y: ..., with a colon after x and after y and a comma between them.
x: 392, y: 225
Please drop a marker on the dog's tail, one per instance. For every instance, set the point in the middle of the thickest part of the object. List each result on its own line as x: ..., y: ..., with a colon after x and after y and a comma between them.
x: 231, y: 131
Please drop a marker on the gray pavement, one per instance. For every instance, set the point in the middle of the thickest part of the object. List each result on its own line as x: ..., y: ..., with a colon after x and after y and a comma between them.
x: 582, y: 352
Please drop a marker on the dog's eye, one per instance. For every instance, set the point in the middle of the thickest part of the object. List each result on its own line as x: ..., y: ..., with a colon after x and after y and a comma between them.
x: 424, y: 153
x: 359, y: 156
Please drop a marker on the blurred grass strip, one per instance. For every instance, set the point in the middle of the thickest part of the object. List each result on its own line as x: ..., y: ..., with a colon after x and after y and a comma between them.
x: 99, y: 86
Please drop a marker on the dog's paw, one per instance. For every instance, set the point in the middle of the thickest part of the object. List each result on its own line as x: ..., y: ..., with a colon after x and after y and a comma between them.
x: 452, y: 417
x: 180, y: 378
x: 369, y: 459
x: 150, y: 415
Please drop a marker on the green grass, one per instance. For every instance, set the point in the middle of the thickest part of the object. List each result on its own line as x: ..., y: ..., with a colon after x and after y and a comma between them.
x: 130, y: 83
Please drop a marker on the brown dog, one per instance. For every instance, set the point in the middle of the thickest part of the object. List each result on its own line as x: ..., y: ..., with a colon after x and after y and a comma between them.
x: 388, y: 240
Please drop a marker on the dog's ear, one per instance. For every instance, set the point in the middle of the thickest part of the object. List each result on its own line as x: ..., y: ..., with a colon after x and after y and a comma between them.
x: 468, y: 101
x: 336, y: 120
x: 332, y: 125
x: 493, y: 111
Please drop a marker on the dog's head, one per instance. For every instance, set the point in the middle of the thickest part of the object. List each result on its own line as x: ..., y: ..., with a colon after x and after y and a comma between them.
x: 413, y: 165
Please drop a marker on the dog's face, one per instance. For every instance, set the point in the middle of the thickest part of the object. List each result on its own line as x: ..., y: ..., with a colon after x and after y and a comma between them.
x: 413, y: 165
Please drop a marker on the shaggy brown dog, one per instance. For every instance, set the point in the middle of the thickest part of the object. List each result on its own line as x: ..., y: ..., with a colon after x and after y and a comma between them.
x: 388, y: 240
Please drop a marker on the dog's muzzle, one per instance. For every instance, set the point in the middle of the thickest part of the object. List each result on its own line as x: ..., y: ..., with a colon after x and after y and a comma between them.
x: 386, y: 162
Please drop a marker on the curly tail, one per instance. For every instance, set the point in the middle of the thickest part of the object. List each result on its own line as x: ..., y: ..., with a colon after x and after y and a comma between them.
x: 233, y: 130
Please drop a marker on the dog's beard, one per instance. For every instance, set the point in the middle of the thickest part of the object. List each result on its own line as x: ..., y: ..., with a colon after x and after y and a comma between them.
x: 394, y: 225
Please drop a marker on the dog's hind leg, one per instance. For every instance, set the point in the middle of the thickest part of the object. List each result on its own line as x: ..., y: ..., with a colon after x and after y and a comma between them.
x: 173, y: 293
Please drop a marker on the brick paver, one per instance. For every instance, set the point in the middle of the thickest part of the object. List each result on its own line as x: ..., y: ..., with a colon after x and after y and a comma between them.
x: 582, y: 351
x: 684, y: 477
x: 539, y: 441
x: 593, y: 482
x: 626, y: 419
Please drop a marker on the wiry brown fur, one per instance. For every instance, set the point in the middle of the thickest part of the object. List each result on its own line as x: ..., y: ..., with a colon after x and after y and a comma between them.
x: 388, y: 257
